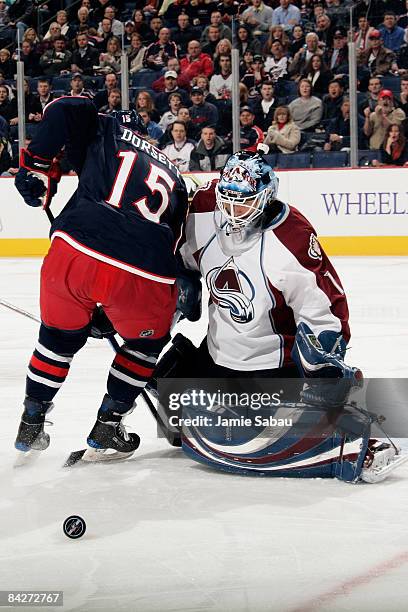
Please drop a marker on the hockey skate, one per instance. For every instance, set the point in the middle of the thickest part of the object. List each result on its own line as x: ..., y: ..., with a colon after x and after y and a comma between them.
x: 109, y: 440
x: 31, y: 434
x: 381, y: 459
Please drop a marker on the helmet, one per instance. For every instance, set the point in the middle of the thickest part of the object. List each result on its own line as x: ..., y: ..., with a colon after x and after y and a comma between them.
x: 246, y: 185
x: 132, y: 120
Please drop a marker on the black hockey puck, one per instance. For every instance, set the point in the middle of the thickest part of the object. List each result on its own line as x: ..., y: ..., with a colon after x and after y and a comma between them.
x: 74, y: 527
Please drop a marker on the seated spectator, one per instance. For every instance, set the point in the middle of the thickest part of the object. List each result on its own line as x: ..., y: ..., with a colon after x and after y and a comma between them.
x: 53, y: 31
x: 283, y: 135
x: 152, y: 34
x: 170, y: 87
x: 317, y: 72
x: 141, y: 26
x: 154, y: 131
x: 255, y: 76
x: 83, y: 18
x: 183, y: 81
x: 377, y: 58
x: 224, y: 47
x: 394, y: 149
x: 298, y: 40
x: 403, y: 96
x: 136, y: 52
x: 157, y: 53
x: 203, y: 83
x: 8, y: 108
x: 371, y: 97
x: 221, y: 83
x: 196, y: 62
x: 250, y: 135
x: 111, y: 60
x: 77, y: 86
x: 143, y: 99
x: 302, y: 56
x: 338, y: 130
x: 114, y: 102
x: 85, y: 57
x: 245, y: 64
x: 67, y: 30
x: 129, y: 28
x: 362, y: 34
x: 101, y: 97
x: 306, y: 110
x: 5, y: 157
x: 210, y: 153
x: 117, y: 26
x: 276, y: 64
x: 30, y: 59
x: 183, y: 33
x: 245, y: 42
x: 7, y: 65
x: 265, y: 106
x: 104, y: 35
x: 214, y: 37
x: 259, y: 17
x: 168, y: 117
x: 193, y: 132
x: 31, y: 114
x: 377, y: 122
x: 43, y: 95
x: 202, y: 113
x: 57, y: 60
x: 179, y: 149
x: 216, y: 20
x: 287, y: 15
x: 391, y: 33
x: 276, y: 33
x: 336, y: 57
x: 199, y: 12
x: 325, y: 30
x: 31, y: 36
x: 332, y: 101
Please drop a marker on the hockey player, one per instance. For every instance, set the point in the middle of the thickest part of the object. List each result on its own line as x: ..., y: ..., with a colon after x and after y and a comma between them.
x: 277, y: 309
x: 113, y: 244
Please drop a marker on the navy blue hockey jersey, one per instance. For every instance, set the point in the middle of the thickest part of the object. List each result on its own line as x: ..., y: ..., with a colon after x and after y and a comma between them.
x: 131, y: 201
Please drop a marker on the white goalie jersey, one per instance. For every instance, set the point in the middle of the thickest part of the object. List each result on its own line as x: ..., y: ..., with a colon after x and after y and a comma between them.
x: 258, y: 297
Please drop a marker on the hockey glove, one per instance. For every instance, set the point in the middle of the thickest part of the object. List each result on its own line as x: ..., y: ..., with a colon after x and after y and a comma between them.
x: 189, y: 294
x: 101, y: 327
x: 37, y: 179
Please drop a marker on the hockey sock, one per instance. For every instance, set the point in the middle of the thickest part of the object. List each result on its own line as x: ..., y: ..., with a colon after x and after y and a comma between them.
x: 50, y: 362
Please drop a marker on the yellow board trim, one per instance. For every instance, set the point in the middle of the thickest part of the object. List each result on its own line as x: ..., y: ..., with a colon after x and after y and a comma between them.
x: 333, y: 245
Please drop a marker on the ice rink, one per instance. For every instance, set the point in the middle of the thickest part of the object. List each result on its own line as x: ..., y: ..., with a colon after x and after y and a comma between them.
x: 165, y: 534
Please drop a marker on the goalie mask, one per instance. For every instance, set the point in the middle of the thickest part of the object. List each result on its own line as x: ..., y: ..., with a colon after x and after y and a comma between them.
x: 247, y: 184
x: 132, y: 120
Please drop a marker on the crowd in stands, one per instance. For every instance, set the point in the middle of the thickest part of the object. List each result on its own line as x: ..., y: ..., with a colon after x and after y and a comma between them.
x: 294, y: 72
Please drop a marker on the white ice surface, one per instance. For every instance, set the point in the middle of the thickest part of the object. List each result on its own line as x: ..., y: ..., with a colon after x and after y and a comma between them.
x: 167, y: 534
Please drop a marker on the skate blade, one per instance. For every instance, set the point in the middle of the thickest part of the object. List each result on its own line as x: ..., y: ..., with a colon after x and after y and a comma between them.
x: 374, y: 476
x: 93, y: 455
x: 26, y: 458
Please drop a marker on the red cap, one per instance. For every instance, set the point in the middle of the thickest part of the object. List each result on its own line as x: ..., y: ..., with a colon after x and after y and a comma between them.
x: 374, y: 34
x: 385, y: 93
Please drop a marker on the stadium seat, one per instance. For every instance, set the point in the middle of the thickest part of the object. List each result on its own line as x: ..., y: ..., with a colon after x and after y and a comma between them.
x: 61, y: 83
x: 330, y: 159
x: 294, y: 160
x: 365, y: 157
x: 145, y: 78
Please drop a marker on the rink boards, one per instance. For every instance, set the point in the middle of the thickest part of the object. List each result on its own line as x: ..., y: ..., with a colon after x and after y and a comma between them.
x: 354, y: 211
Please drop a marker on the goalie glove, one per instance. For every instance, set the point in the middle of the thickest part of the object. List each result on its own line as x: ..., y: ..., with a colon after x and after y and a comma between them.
x: 189, y: 294
x: 37, y: 179
x: 330, y: 380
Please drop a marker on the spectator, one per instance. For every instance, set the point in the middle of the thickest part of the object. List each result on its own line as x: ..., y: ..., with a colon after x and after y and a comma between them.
x: 196, y: 62
x: 228, y: 9
x: 85, y: 57
x: 143, y: 99
x: 183, y: 33
x: 245, y: 64
x: 255, y: 76
x: 221, y: 83
x: 117, y: 26
x: 199, y: 12
x: 30, y: 59
x: 211, y: 152
x: 214, y: 38
x: 250, y: 135
x: 377, y: 58
x: 170, y: 87
x: 306, y: 110
x: 77, y: 86
x: 287, y: 15
x: 245, y: 41
x: 298, y: 40
x: 7, y: 65
x: 391, y: 33
x: 338, y: 130
x: 216, y: 20
x: 141, y: 27
x: 111, y: 83
x: 376, y: 123
x: 277, y: 32
x: 258, y: 17
x: 129, y: 28
x: 202, y: 113
x: 53, y: 31
x: 136, y: 53
x: 179, y: 149
x: 66, y: 29
x: 193, y: 132
x: 154, y: 131
x: 276, y: 65
x: 203, y: 83
x: 111, y: 60
x: 8, y: 108
x: 83, y: 18
x: 362, y: 34
x: 58, y: 60
x: 183, y: 81
x: 152, y: 35
x: 29, y: 107
x: 170, y: 116
x: 224, y: 47
x: 317, y: 72
x: 6, y: 32
x: 264, y: 108
x: 324, y: 30
x: 394, y: 150
x: 371, y: 98
x: 283, y: 134
x: 31, y: 36
x: 302, y: 56
x: 337, y: 56
x: 114, y: 102
x: 333, y: 100
x: 99, y: 9
x: 104, y: 35
x: 43, y: 96
x: 157, y: 53
x: 21, y: 14
x: 403, y: 96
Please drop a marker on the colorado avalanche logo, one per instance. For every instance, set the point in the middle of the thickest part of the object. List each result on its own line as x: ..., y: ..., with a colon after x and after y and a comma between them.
x: 239, y: 179
x: 230, y: 288
x: 315, y: 251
